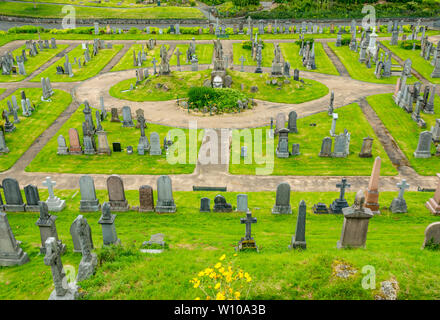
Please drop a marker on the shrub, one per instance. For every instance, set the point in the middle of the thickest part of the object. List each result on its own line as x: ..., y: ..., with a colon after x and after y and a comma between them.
x: 408, y: 44
x: 244, y: 3
x: 311, y: 40
x: 223, y: 100
x: 247, y: 45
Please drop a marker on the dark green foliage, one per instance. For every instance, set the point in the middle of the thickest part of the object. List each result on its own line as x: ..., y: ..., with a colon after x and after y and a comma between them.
x: 223, y: 100
x: 310, y: 40
x: 408, y: 44
x: 430, y: 245
x: 248, y: 45
x: 115, y: 252
x: 244, y: 3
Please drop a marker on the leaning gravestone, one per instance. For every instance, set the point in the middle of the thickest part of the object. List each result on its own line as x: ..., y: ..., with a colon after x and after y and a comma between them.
x: 220, y: 204
x: 13, y: 198
x: 116, y: 193
x: 10, y: 252
x: 146, y: 199
x: 165, y: 201
x: 89, y: 260
x: 75, y: 236
x: 282, y: 202
x: 89, y: 202
x: 367, y: 146
x: 32, y: 198
x: 107, y: 222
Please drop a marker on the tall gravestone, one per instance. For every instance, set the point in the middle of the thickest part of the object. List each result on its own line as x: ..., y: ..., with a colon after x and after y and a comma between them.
x: 48, y: 229
x: 107, y: 222
x: 13, y: 198
x: 116, y: 193
x: 372, y: 193
x: 292, y: 122
x: 433, y: 204
x: 282, y: 202
x: 88, y: 202
x: 146, y: 199
x: 165, y: 201
x: 126, y: 116
x: 11, y: 253
x: 299, y: 239
x: 89, y: 260
x: 75, y: 145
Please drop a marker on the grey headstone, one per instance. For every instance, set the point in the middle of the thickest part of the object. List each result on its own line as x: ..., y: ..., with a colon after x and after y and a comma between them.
x: 165, y: 201
x: 282, y: 203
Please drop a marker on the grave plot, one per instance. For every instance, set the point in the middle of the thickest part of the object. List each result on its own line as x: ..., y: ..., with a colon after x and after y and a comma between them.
x: 90, y: 69
x: 204, y: 54
x: 127, y: 61
x: 32, y: 63
x: 323, y: 63
x: 194, y: 245
x: 419, y: 63
x: 239, y: 51
x: 31, y: 127
x: 359, y: 71
x: 117, y: 162
x: 406, y: 131
x: 311, y: 132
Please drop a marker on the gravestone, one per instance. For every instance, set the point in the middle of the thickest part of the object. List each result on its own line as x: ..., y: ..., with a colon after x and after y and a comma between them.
x: 48, y: 229
x: 280, y: 122
x: 53, y: 202
x: 88, y: 202
x: 333, y: 127
x: 116, y: 147
x: 295, y: 149
x: 367, y: 147
x: 282, y: 202
x: 282, y: 150
x: 248, y: 242
x: 156, y: 240
x: 126, y: 114
x: 242, y: 203
x: 13, y: 197
x: 424, y: 146
x: 32, y: 198
x: 326, y: 147
x: 292, y: 122
x: 3, y: 147
x: 115, y: 117
x: 116, y: 193
x: 299, y: 239
x: 205, y: 205
x: 10, y: 252
x: 103, y: 146
x: 372, y: 193
x: 340, y: 203
x: 89, y: 260
x: 62, y: 146
x: 355, y: 227
x: 155, y: 149
x: 398, y: 205
x: 107, y: 222
x: 63, y: 289
x: 146, y: 199
x: 432, y: 235
x: 75, y: 145
x: 165, y: 201
x: 433, y: 204
x: 220, y: 204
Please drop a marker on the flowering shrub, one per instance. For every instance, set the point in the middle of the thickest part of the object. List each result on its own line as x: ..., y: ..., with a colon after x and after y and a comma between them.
x: 223, y: 281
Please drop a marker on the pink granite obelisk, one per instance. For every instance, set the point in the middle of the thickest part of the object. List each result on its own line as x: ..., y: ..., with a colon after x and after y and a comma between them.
x: 433, y: 204
x: 372, y: 193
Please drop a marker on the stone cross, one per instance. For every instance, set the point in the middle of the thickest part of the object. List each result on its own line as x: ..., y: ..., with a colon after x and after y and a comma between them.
x: 342, y: 186
x: 402, y: 187
x: 50, y: 184
x: 242, y: 59
x: 248, y: 221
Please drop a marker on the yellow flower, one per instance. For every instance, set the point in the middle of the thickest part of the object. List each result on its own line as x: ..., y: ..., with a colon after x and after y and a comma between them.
x: 222, y: 257
x: 201, y: 273
x: 218, y: 265
x: 249, y: 279
x: 217, y: 286
x: 235, y: 254
x: 220, y: 296
x: 221, y: 270
x: 237, y: 295
x: 196, y: 283
x: 198, y: 298
x: 212, y: 275
x: 230, y: 290
x: 208, y: 298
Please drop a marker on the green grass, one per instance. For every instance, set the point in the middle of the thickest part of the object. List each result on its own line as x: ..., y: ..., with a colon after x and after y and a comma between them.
x: 198, y: 242
x: 405, y: 131
x: 31, y: 127
x: 204, y: 54
x: 359, y: 71
x: 2, y: 90
x: 126, y: 61
x: 180, y: 82
x: 48, y: 160
x: 310, y: 140
x: 267, y: 54
x: 109, y: 3
x: 290, y: 53
x: 54, y: 11
x: 294, y: 92
x: 418, y: 63
x: 33, y: 63
x: 92, y: 68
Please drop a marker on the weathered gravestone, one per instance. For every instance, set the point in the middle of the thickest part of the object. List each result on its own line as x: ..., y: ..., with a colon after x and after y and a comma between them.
x: 326, y: 147
x: 48, y: 229
x: 53, y: 202
x: 155, y: 149
x: 367, y: 147
x: 299, y: 239
x: 88, y: 202
x: 62, y: 146
x: 63, y: 289
x: 355, y: 227
x: 340, y: 203
x: 205, y: 205
x: 10, y: 252
x: 126, y: 115
x: 432, y: 235
x: 146, y: 199
x: 220, y: 204
x: 433, y: 204
x: 116, y: 193
x: 32, y: 198
x: 398, y: 205
x: 292, y: 122
x: 280, y: 122
x: 89, y: 260
x: 424, y: 146
x: 107, y: 222
x: 115, y: 116
x: 75, y: 145
x: 282, y: 202
x: 165, y: 201
x: 242, y: 203
x: 13, y: 197
x: 372, y: 193
x: 282, y: 150
x: 248, y: 242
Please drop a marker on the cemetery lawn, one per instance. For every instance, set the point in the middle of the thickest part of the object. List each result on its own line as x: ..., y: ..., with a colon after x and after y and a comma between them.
x: 126, y: 61
x: 54, y: 11
x: 359, y: 71
x: 204, y: 53
x: 30, y: 128
x: 197, y: 241
x: 92, y: 68
x: 119, y: 162
x: 290, y: 53
x: 418, y: 63
x: 308, y: 163
x: 405, y: 131
x: 180, y: 82
x: 267, y: 54
x: 33, y: 63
